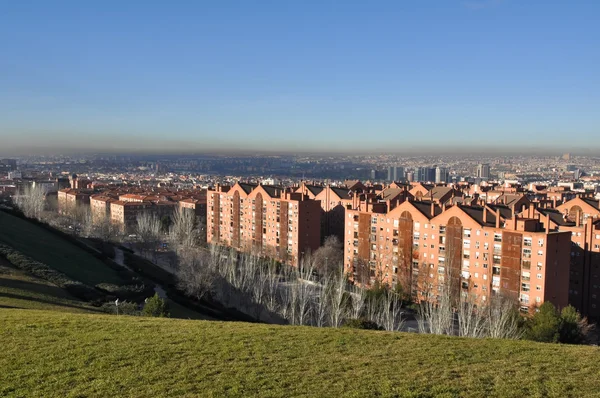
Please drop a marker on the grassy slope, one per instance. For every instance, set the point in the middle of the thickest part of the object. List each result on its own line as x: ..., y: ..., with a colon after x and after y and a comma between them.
x: 20, y: 290
x: 50, y: 249
x: 99, y: 355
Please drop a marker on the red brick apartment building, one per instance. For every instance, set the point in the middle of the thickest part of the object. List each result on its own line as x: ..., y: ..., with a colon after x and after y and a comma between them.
x: 271, y: 221
x: 487, y: 249
x: 579, y: 217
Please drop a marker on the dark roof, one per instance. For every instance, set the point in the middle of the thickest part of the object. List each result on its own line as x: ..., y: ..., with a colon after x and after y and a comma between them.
x: 505, y: 211
x: 343, y: 193
x: 510, y: 199
x: 476, y: 213
x: 425, y: 208
x: 273, y: 191
x: 592, y: 202
x: 247, y: 187
x: 314, y: 189
x: 557, y: 217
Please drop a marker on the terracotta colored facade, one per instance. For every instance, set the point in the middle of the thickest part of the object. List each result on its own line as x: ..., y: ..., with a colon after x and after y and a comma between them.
x: 484, y: 250
x: 266, y: 220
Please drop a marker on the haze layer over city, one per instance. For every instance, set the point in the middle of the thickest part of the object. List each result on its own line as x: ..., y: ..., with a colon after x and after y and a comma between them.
x: 312, y: 199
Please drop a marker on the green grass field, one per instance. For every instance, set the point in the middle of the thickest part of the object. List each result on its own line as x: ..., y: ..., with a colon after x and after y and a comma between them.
x: 52, y: 250
x: 54, y: 354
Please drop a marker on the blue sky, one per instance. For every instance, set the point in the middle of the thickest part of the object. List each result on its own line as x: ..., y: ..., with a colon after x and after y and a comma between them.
x: 300, y: 75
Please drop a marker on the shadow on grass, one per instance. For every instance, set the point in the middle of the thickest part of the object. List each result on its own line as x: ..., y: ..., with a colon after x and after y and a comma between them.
x: 36, y: 287
x: 54, y: 303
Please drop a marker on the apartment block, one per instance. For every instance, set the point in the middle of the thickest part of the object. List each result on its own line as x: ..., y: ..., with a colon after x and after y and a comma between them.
x: 482, y: 250
x: 70, y: 200
x: 266, y: 220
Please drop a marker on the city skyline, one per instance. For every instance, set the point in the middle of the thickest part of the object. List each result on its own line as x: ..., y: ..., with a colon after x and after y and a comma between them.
x: 313, y: 77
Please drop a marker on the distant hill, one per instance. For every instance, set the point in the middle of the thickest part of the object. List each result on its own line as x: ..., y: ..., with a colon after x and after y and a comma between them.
x: 54, y: 354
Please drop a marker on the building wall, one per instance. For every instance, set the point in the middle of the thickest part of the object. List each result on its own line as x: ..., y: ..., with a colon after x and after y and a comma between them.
x: 283, y: 227
x: 481, y: 260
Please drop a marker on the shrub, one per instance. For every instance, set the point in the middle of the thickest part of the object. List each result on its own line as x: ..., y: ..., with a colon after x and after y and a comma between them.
x: 574, y: 329
x: 545, y: 324
x: 550, y: 326
x: 125, y: 308
x: 126, y: 292
x: 156, y: 307
x: 361, y: 323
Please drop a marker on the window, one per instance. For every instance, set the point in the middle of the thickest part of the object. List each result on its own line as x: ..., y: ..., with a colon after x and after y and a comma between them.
x: 538, y: 287
x: 497, y: 237
x: 539, y: 276
x: 527, y: 242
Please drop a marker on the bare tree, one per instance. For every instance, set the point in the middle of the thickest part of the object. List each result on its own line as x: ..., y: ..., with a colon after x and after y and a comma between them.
x: 471, y: 319
x: 31, y: 201
x: 196, y: 273
x: 329, y: 258
x: 148, y: 229
x: 391, y: 313
x: 322, y: 301
x: 272, y: 284
x: 339, y: 301
x: 358, y: 302
x: 502, y: 318
x: 182, y: 231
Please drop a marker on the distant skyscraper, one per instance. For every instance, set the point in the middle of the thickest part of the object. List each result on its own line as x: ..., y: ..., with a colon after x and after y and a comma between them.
x: 483, y: 171
x: 426, y: 174
x: 395, y: 173
x: 10, y: 164
x: 399, y: 173
x: 441, y: 175
x: 373, y: 174
x: 566, y: 156
x: 391, y: 173
x: 410, y: 176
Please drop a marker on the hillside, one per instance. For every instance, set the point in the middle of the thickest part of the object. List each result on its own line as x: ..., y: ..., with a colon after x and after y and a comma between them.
x: 20, y: 290
x: 54, y: 251
x: 100, y: 355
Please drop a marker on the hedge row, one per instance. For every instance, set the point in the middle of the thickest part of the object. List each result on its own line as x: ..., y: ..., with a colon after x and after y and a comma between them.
x: 42, y: 271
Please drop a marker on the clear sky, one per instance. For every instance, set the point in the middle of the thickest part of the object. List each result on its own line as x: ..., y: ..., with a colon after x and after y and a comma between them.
x: 301, y: 75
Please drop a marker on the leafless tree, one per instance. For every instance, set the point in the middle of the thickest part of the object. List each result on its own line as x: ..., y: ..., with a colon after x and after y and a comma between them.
x: 502, y: 318
x: 390, y: 310
x: 271, y: 290
x: 196, y: 273
x: 31, y: 201
x: 148, y: 229
x: 329, y: 258
x: 339, y: 301
x: 471, y: 318
x: 182, y: 231
x: 358, y: 301
x: 322, y: 301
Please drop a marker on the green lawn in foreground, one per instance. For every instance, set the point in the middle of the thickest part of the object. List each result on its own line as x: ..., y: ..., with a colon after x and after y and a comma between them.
x: 19, y: 290
x: 55, y: 252
x: 54, y: 354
